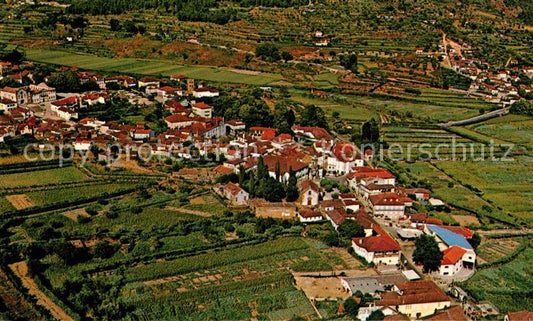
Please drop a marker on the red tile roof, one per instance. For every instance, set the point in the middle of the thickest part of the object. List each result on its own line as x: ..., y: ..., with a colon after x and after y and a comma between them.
x: 520, y: 315
x: 362, y: 172
x: 392, y: 199
x: 379, y: 243
x: 345, y: 152
x: 307, y: 184
x: 202, y: 105
x: 452, y: 255
x: 454, y: 313
x: 308, y: 213
x: 413, y: 292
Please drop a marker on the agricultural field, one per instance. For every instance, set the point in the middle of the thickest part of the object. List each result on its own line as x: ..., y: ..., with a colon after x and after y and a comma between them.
x: 350, y: 113
x: 432, y: 143
x: 148, y: 67
x: 494, y: 249
x: 453, y: 192
x: 506, y: 285
x: 517, y: 129
x: 182, y: 280
x: 43, y: 177
x: 506, y: 185
x: 51, y: 196
x: 440, y: 97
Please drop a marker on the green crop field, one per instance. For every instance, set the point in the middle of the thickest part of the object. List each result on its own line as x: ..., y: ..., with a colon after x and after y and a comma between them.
x: 51, y: 196
x: 507, y: 185
x: 148, y: 67
x: 508, y: 285
x: 516, y: 129
x: 42, y: 177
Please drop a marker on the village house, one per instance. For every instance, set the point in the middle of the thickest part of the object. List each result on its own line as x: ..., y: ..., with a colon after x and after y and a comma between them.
x: 380, y: 249
x: 167, y: 92
x: 42, y: 93
x: 312, y: 134
x: 202, y: 109
x: 388, y: 205
x: 18, y: 95
x: 7, y: 105
x: 5, y: 68
x: 415, y: 299
x: 148, y: 81
x: 342, y: 158
x: 204, y: 92
x: 233, y: 193
x: 309, y: 216
x: 66, y: 113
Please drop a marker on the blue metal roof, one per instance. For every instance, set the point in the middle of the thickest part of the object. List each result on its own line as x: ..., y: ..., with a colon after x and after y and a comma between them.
x: 449, y: 237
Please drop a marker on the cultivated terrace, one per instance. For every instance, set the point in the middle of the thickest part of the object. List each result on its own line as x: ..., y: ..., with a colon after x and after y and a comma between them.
x: 266, y: 160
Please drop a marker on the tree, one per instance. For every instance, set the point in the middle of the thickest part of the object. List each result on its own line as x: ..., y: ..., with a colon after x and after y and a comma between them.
x: 522, y: 107
x: 292, y: 190
x: 286, y: 56
x: 14, y: 56
x: 475, y: 240
x: 104, y: 250
x: 66, y: 81
x: 351, y: 307
x: 114, y: 24
x: 268, y: 52
x: 313, y: 116
x: 427, y: 253
x: 376, y: 316
x: 349, y: 62
x: 370, y: 131
x: 350, y: 228
x: 283, y: 117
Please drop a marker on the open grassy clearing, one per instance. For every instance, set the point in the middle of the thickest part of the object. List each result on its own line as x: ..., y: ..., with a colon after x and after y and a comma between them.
x: 42, y: 177
x: 148, y: 67
x: 507, y: 185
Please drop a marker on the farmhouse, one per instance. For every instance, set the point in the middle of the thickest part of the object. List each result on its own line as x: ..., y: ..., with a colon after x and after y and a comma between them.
x: 379, y: 249
x: 233, y: 193
x: 149, y: 81
x: 205, y: 92
x: 309, y: 216
x: 7, y: 105
x: 448, y: 239
x: 416, y: 299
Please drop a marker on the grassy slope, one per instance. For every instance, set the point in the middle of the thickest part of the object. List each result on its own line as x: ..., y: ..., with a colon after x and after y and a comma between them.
x: 148, y: 67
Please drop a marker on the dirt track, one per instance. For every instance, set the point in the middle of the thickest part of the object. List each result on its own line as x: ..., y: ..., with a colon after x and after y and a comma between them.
x: 21, y: 271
